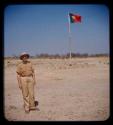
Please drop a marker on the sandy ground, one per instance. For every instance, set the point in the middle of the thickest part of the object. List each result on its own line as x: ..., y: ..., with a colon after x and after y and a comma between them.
x: 75, y: 93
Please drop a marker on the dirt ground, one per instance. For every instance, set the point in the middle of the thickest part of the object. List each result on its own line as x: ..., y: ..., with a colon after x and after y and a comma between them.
x: 79, y: 92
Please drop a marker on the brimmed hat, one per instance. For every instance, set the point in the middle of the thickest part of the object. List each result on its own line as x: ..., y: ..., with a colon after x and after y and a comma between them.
x: 24, y: 54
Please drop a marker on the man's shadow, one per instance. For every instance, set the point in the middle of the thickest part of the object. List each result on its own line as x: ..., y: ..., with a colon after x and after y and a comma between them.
x: 36, y: 103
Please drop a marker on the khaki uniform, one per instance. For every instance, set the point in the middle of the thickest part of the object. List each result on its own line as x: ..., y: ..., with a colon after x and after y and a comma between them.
x: 25, y: 71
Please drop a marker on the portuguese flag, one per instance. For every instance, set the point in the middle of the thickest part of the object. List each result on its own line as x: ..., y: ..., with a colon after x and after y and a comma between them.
x: 74, y: 18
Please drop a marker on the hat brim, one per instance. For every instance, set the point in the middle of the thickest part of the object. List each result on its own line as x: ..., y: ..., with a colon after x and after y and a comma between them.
x: 21, y: 57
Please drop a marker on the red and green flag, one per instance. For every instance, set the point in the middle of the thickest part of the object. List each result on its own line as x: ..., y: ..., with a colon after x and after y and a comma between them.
x: 74, y: 18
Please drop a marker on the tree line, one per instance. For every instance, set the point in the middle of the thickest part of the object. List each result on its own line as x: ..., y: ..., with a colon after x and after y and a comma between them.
x: 62, y: 56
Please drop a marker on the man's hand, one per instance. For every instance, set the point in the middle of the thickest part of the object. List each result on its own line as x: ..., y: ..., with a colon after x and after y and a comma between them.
x: 20, y: 86
x: 19, y: 81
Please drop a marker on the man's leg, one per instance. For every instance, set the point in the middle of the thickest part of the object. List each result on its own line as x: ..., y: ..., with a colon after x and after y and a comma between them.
x: 31, y: 93
x: 25, y: 93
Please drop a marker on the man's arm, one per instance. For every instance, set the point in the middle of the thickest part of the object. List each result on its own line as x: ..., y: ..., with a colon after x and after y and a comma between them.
x: 19, y: 81
x: 33, y: 74
x: 34, y: 78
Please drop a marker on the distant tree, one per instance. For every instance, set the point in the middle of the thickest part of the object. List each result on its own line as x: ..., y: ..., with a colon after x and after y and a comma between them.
x: 37, y: 55
x: 14, y: 56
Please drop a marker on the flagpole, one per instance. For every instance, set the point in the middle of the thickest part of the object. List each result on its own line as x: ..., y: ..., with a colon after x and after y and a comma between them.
x: 69, y: 39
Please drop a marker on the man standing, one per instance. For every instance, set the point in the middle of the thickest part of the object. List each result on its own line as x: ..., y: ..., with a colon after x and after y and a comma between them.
x: 26, y: 82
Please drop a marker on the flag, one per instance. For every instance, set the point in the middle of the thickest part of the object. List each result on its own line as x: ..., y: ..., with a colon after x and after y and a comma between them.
x: 74, y: 18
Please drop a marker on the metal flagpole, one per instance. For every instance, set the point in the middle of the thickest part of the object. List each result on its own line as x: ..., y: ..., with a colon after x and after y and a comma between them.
x: 69, y: 39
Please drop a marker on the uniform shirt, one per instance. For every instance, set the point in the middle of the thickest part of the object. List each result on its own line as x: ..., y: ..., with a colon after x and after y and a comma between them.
x: 25, y: 69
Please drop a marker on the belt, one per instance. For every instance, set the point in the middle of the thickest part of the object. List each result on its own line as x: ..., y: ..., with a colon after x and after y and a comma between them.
x: 26, y: 76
